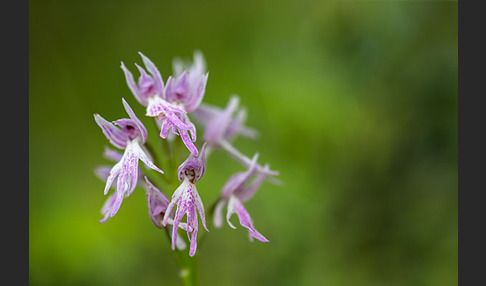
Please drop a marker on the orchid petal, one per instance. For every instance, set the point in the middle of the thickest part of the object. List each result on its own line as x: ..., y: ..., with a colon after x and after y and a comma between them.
x: 133, y: 86
x: 246, y: 192
x: 245, y: 160
x: 157, y: 203
x: 140, y: 126
x: 102, y: 172
x: 237, y: 180
x: 244, y: 218
x: 144, y: 157
x: 218, y: 214
x: 200, y: 207
x: 112, y: 155
x: 107, y: 206
x: 198, y: 94
x: 157, y: 77
x: 114, y: 134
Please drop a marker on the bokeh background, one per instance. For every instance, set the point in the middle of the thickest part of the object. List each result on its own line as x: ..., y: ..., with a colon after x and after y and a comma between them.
x: 356, y: 104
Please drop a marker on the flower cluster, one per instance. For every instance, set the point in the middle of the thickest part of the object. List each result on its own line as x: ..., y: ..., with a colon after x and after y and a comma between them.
x: 173, y: 104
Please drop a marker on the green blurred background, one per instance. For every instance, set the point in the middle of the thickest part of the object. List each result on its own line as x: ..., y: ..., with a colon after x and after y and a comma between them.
x: 356, y: 104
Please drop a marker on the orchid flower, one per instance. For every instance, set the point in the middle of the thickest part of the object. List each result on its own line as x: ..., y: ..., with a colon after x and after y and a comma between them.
x: 187, y: 199
x: 157, y: 206
x: 221, y: 127
x: 128, y: 134
x: 238, y: 189
x: 171, y: 103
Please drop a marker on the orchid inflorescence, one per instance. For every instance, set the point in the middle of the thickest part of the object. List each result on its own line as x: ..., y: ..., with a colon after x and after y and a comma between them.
x: 172, y: 105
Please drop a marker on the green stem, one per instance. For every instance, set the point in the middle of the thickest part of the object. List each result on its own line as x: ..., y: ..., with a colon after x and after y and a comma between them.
x: 188, y: 268
x: 164, y: 144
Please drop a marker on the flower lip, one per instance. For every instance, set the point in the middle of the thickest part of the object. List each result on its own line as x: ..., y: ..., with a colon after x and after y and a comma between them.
x: 188, y: 204
x: 173, y: 117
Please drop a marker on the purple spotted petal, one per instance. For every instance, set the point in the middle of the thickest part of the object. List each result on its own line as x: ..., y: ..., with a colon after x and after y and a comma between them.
x: 205, y: 113
x: 114, y: 172
x: 188, y: 85
x: 235, y: 206
x: 199, y: 207
x: 166, y: 125
x: 115, y: 135
x: 169, y: 90
x: 196, y: 82
x: 236, y: 127
x: 177, y: 89
x: 141, y: 98
x: 130, y: 128
x: 177, y: 198
x: 218, y: 213
x: 152, y: 69
x: 157, y: 106
x: 107, y: 207
x: 134, y: 118
x: 180, y: 243
x: 238, y: 179
x: 179, y: 125
x: 192, y: 236
x: 188, y: 142
x: 217, y: 127
x: 177, y: 66
x: 112, y: 155
x: 199, y: 65
x: 247, y: 162
x: 103, y: 172
x: 144, y: 157
x: 221, y: 125
x: 126, y: 173
x: 192, y: 127
x: 197, y: 94
x: 157, y: 203
x: 245, y: 192
x: 113, y: 202
x: 146, y: 84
